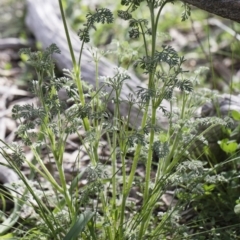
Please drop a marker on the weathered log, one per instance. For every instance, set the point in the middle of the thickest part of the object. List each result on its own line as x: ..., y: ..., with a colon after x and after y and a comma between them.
x: 44, y: 21
x: 14, y: 43
x: 225, y: 8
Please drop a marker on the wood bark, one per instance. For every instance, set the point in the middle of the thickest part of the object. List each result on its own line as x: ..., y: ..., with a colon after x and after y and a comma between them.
x: 14, y: 43
x: 229, y: 9
x: 44, y: 21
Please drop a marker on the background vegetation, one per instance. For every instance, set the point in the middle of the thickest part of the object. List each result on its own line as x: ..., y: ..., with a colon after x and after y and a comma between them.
x: 122, y: 196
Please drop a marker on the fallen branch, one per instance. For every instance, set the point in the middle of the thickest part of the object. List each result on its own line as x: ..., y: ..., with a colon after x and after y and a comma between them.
x: 224, y: 8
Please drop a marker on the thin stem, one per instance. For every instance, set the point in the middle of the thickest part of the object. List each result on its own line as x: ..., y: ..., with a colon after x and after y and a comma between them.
x: 123, y: 146
x: 67, y: 33
x: 47, y: 175
x: 114, y: 157
x: 76, y: 67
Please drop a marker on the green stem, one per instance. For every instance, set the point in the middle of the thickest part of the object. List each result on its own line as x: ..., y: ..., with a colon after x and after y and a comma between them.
x: 145, y: 221
x: 128, y: 186
x: 114, y: 158
x: 76, y: 67
x: 107, y: 228
x: 65, y: 190
x: 123, y: 146
x: 47, y: 175
x: 155, y: 104
x: 149, y: 159
x: 67, y: 34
